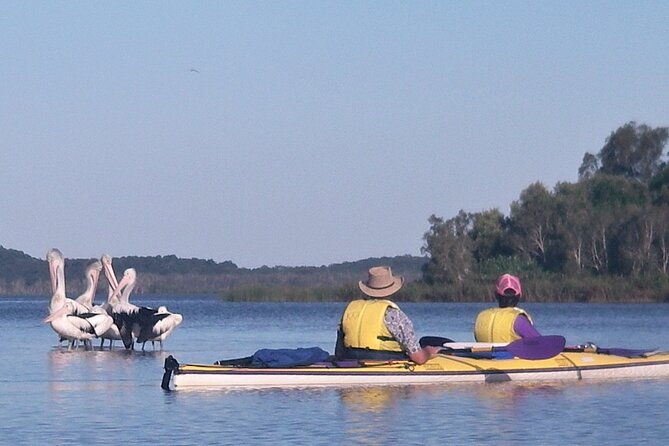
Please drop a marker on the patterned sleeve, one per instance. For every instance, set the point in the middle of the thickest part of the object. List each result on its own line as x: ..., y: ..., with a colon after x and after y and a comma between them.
x: 401, y: 327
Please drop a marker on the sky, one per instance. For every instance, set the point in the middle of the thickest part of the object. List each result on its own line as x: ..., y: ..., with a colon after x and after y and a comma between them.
x: 303, y: 133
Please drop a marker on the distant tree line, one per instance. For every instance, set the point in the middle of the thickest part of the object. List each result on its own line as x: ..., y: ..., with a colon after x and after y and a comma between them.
x: 21, y: 274
x: 603, y: 238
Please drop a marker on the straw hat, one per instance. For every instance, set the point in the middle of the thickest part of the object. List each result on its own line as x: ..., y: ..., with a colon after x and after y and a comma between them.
x: 381, y: 282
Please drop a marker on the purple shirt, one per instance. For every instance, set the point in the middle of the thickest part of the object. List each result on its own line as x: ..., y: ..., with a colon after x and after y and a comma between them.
x: 524, y: 328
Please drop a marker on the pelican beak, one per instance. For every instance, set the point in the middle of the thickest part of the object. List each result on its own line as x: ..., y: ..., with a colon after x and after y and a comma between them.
x: 109, y: 274
x: 52, y: 274
x: 117, y: 292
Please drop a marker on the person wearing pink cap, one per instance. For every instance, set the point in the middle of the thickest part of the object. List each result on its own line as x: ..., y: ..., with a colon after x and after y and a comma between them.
x: 375, y: 328
x: 507, y: 322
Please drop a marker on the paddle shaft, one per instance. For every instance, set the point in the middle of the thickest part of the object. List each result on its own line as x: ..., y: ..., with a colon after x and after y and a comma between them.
x: 534, y: 348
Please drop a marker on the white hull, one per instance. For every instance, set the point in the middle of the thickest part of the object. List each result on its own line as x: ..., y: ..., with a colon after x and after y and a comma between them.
x: 565, y: 367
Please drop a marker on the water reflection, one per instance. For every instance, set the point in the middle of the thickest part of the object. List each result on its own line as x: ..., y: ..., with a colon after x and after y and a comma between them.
x: 95, y: 370
x: 503, y: 395
x: 379, y: 398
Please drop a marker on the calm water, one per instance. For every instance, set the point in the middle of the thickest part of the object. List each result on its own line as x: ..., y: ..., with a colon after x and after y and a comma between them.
x: 51, y: 396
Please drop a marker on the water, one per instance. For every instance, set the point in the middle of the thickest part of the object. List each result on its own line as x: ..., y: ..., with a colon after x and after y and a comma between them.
x: 51, y: 396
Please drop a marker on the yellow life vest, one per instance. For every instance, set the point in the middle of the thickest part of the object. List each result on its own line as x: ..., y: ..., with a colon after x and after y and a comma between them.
x: 363, y: 327
x: 496, y: 324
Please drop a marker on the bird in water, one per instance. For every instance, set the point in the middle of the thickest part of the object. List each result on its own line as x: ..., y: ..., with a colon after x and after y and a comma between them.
x: 140, y: 324
x: 72, y: 320
x: 165, y: 323
x: 114, y: 333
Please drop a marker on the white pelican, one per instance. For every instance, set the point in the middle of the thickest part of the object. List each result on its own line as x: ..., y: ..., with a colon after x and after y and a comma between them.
x: 142, y: 323
x: 56, y: 262
x: 66, y: 317
x: 113, y: 334
x: 161, y: 329
x: 82, y: 327
x: 92, y: 275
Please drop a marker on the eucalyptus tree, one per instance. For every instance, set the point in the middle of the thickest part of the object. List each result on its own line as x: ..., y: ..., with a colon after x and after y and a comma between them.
x: 660, y: 215
x: 532, y: 222
x: 615, y: 201
x: 488, y: 235
x: 658, y: 187
x: 589, y: 166
x: 448, y: 245
x: 573, y: 223
x: 632, y: 151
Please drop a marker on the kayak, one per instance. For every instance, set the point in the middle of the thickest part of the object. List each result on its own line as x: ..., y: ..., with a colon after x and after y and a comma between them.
x: 442, y: 369
x: 452, y: 365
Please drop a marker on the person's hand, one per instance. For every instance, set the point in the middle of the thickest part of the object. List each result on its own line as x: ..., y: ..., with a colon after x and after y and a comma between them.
x: 432, y: 350
x: 424, y: 354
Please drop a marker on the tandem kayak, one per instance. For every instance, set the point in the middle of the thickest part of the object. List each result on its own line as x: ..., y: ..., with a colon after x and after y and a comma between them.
x: 455, y: 365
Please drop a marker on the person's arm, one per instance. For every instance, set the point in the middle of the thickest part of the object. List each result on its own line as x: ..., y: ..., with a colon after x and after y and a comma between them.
x: 424, y: 354
x: 524, y: 328
x: 401, y: 327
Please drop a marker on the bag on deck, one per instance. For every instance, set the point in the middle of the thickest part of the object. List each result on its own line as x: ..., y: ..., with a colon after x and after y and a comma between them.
x: 287, y: 357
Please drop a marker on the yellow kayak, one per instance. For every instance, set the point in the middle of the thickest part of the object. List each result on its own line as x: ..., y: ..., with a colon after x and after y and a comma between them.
x: 448, y: 367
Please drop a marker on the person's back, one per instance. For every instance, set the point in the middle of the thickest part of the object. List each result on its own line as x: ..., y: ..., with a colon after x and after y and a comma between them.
x: 365, y: 328
x: 507, y: 322
x: 375, y: 328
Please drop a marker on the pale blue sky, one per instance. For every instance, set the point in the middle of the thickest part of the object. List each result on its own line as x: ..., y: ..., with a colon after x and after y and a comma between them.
x: 315, y: 132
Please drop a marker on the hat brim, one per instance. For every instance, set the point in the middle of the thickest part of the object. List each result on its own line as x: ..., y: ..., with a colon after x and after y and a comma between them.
x: 382, y: 292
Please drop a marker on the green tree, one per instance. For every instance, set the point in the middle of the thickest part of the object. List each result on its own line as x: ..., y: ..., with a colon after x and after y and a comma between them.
x: 659, y: 187
x: 614, y: 201
x: 532, y: 220
x: 449, y: 248
x: 632, y: 151
x: 661, y: 244
x: 487, y: 234
x: 573, y: 222
x: 589, y: 166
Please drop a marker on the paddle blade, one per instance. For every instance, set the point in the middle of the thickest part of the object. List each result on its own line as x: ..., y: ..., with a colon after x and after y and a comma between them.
x: 539, y: 347
x: 627, y: 352
x: 435, y: 341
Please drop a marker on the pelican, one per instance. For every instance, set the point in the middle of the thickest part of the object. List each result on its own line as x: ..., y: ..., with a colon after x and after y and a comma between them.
x: 142, y: 323
x: 82, y: 327
x: 66, y: 316
x: 165, y: 323
x: 92, y: 275
x: 113, y: 334
x: 56, y: 262
x: 86, y: 298
x: 124, y: 313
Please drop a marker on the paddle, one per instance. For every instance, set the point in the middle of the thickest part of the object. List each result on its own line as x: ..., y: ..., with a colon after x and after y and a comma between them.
x: 625, y: 352
x: 434, y: 341
x: 538, y: 347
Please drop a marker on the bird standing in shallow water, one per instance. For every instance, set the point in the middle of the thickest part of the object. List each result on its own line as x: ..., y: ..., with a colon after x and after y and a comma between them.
x: 140, y: 323
x: 70, y: 319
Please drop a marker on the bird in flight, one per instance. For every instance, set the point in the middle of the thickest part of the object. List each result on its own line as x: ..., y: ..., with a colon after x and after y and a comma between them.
x: 193, y: 70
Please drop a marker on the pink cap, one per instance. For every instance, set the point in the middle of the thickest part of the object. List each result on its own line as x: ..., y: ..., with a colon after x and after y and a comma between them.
x: 508, y: 285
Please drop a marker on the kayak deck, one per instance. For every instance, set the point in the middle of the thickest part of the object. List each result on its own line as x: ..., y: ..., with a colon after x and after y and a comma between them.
x: 442, y: 369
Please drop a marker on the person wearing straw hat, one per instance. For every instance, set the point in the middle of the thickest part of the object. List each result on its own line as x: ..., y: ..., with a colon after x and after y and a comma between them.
x: 507, y: 322
x: 374, y: 327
